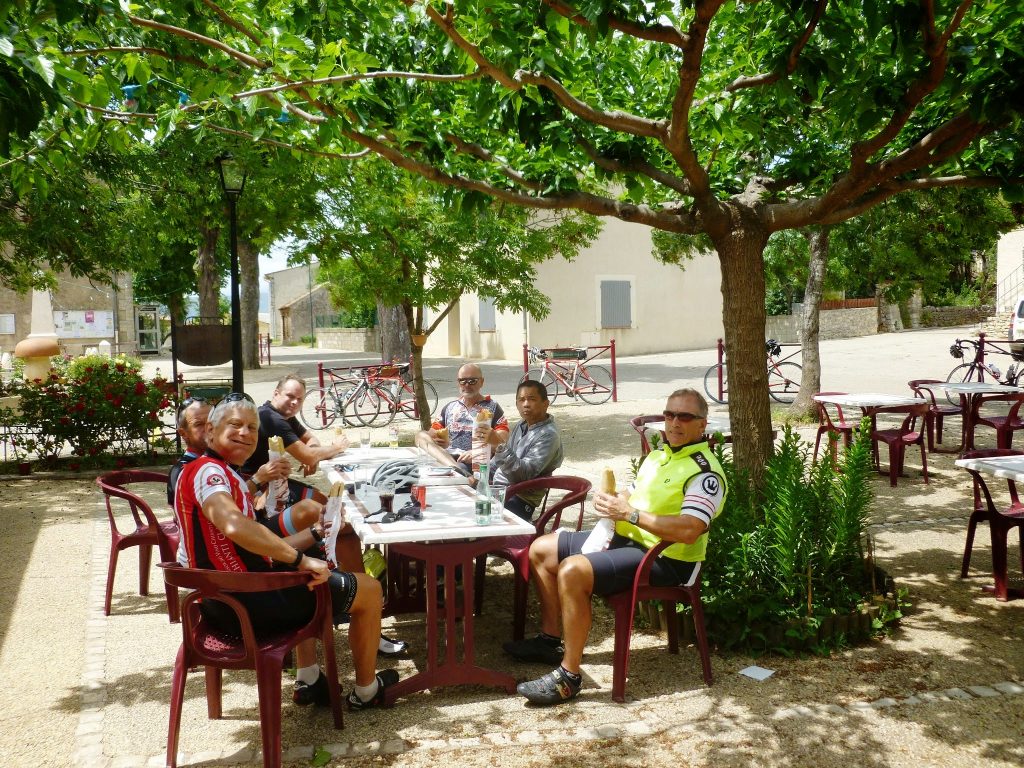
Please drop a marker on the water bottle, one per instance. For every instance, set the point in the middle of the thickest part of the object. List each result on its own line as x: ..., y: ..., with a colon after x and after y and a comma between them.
x: 393, y: 438
x: 483, y: 496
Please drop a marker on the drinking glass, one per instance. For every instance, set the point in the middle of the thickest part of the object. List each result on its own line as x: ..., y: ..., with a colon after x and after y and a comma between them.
x: 387, y: 495
x: 364, y: 441
x: 497, y: 501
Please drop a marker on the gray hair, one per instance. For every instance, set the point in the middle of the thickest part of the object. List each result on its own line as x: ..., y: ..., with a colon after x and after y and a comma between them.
x: 221, y: 409
x: 702, y: 404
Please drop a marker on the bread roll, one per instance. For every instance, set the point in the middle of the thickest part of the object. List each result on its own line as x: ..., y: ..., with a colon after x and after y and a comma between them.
x: 483, y: 415
x: 442, y: 433
x: 275, y: 443
x: 338, y: 489
x: 607, y: 480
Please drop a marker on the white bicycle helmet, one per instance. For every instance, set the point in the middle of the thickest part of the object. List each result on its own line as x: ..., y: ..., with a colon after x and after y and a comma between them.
x: 403, y: 472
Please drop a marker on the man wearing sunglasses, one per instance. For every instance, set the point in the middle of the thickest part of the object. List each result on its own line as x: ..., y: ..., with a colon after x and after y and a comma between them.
x: 218, y: 524
x: 679, y: 490
x: 450, y: 437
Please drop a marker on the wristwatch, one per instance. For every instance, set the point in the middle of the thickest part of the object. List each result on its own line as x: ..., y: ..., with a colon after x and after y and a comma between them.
x: 634, y: 517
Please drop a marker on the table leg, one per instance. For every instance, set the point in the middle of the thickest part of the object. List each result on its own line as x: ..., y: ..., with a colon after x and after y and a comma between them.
x: 450, y: 557
x: 967, y: 420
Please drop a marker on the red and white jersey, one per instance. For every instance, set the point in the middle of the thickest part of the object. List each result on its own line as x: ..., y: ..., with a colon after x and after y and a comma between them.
x: 205, y: 545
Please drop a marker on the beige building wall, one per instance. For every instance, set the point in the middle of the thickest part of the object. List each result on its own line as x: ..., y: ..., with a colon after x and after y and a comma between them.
x: 85, y: 305
x: 1009, y: 269
x: 672, y: 307
x: 285, y: 286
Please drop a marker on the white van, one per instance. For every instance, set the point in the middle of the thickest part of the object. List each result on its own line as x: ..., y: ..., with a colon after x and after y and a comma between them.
x: 1017, y: 322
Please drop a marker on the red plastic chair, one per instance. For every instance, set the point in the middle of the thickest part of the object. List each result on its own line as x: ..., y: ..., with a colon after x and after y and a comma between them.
x: 148, y: 531
x: 624, y: 605
x: 999, y: 521
x: 833, y: 424
x: 203, y: 645
x: 1004, y: 425
x: 937, y: 411
x: 516, y: 549
x: 638, y: 424
x: 901, y: 437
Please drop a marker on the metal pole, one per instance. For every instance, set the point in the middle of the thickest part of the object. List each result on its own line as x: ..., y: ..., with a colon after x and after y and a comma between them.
x: 237, y: 383
x: 309, y: 280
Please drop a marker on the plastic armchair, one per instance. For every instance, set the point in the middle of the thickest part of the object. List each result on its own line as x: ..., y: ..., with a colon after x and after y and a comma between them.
x: 829, y: 424
x: 624, y: 605
x: 205, y: 645
x: 1004, y: 425
x: 638, y: 424
x: 999, y: 521
x: 901, y: 437
x: 516, y: 549
x: 148, y: 531
x: 937, y: 412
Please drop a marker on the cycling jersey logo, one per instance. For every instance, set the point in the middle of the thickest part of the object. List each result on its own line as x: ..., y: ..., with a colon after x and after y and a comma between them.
x: 215, y: 480
x: 710, y: 485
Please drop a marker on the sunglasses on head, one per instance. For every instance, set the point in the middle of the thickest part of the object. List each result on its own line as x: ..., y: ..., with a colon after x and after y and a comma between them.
x: 190, y: 401
x: 235, y: 397
x: 470, y: 380
x: 684, y: 416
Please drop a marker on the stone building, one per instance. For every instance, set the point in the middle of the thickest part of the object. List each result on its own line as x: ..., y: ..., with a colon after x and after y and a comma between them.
x: 84, y: 313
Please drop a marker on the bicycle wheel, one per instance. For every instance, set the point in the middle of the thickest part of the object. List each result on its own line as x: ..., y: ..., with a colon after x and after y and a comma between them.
x: 594, y: 384
x: 711, y: 383
x: 963, y: 372
x: 784, y: 381
x: 364, y: 406
x: 407, y: 404
x: 318, y: 410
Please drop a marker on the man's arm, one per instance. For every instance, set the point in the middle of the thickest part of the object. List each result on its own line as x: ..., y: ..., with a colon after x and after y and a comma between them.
x: 221, y: 510
x: 308, y: 451
x: 676, y: 528
x: 535, y: 458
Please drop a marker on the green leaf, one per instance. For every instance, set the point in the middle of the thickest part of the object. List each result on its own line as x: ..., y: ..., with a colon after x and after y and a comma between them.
x: 321, y: 757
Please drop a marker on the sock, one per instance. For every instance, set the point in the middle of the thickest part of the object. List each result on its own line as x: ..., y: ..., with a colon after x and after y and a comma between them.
x: 550, y: 639
x: 572, y: 678
x: 367, y: 692
x: 308, y: 675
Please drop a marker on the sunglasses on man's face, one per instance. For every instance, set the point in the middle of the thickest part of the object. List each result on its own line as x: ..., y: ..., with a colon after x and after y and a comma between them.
x: 683, y: 416
x: 470, y: 381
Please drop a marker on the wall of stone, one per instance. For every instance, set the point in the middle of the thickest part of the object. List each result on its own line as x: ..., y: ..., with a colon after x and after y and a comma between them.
x: 834, y: 324
x: 943, y: 317
x: 349, y: 339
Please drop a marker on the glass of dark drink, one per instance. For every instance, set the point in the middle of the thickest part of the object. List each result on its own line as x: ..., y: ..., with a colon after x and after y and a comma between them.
x: 387, y: 495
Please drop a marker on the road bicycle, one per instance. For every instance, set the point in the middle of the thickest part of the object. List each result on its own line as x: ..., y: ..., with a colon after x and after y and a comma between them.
x: 977, y: 369
x: 369, y: 395
x: 783, y: 376
x: 566, y: 371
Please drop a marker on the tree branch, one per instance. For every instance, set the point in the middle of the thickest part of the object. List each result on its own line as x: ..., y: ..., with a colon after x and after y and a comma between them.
x: 682, y: 186
x: 207, y: 41
x: 767, y: 78
x: 196, y: 62
x: 442, y: 316
x: 656, y: 33
x: 619, y: 121
x: 227, y: 19
x: 427, y: 76
x: 486, y: 155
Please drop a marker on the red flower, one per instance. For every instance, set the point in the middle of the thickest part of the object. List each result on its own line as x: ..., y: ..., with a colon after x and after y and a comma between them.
x: 120, y: 367
x: 140, y: 388
x: 80, y: 405
x: 117, y: 401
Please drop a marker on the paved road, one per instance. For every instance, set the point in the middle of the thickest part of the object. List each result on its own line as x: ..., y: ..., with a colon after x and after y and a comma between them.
x: 880, y: 363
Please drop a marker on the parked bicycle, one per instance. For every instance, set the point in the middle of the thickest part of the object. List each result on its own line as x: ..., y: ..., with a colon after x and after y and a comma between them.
x: 567, y: 371
x: 978, y: 369
x: 783, y: 376
x: 365, y: 395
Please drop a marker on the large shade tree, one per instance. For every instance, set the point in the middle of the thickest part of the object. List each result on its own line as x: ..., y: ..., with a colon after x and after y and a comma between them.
x: 731, y: 119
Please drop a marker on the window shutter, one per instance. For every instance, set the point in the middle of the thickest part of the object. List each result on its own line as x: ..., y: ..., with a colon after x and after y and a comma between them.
x: 616, y: 311
x: 486, y: 313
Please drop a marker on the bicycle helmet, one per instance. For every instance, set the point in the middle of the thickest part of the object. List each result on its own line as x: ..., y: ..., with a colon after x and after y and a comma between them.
x: 403, y: 472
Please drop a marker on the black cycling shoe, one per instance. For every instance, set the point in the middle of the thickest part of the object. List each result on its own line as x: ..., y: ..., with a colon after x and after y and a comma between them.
x: 389, y: 646
x: 553, y: 688
x: 535, y: 649
x: 305, y: 694
x: 385, y: 678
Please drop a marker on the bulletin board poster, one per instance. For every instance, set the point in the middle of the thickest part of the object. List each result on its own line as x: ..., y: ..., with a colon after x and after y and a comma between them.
x: 6, y: 324
x: 84, y: 324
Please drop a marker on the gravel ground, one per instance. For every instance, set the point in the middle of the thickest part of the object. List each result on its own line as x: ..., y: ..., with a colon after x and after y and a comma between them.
x: 938, y: 691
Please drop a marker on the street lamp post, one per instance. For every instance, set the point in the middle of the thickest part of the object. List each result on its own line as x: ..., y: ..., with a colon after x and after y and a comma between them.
x: 232, y: 180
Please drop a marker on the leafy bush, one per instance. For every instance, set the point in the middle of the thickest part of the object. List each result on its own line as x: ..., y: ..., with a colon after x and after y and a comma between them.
x: 94, y: 404
x: 792, y: 552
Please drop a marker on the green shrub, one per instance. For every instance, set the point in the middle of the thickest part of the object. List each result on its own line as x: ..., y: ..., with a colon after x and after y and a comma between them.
x: 787, y: 555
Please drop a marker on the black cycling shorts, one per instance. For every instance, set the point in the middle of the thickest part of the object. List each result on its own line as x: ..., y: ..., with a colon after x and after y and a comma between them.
x: 615, y: 567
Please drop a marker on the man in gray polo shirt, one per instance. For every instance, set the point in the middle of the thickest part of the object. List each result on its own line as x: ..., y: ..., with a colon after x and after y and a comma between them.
x: 534, y: 448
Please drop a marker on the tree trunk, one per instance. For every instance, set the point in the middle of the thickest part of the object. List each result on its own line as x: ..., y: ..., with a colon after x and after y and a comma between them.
x: 417, y: 370
x: 249, y: 295
x: 394, y: 333
x: 810, y: 323
x: 741, y: 255
x: 207, y: 274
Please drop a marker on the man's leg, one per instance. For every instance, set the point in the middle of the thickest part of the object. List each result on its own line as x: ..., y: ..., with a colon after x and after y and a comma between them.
x: 575, y: 589
x: 364, y: 628
x: 544, y: 575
